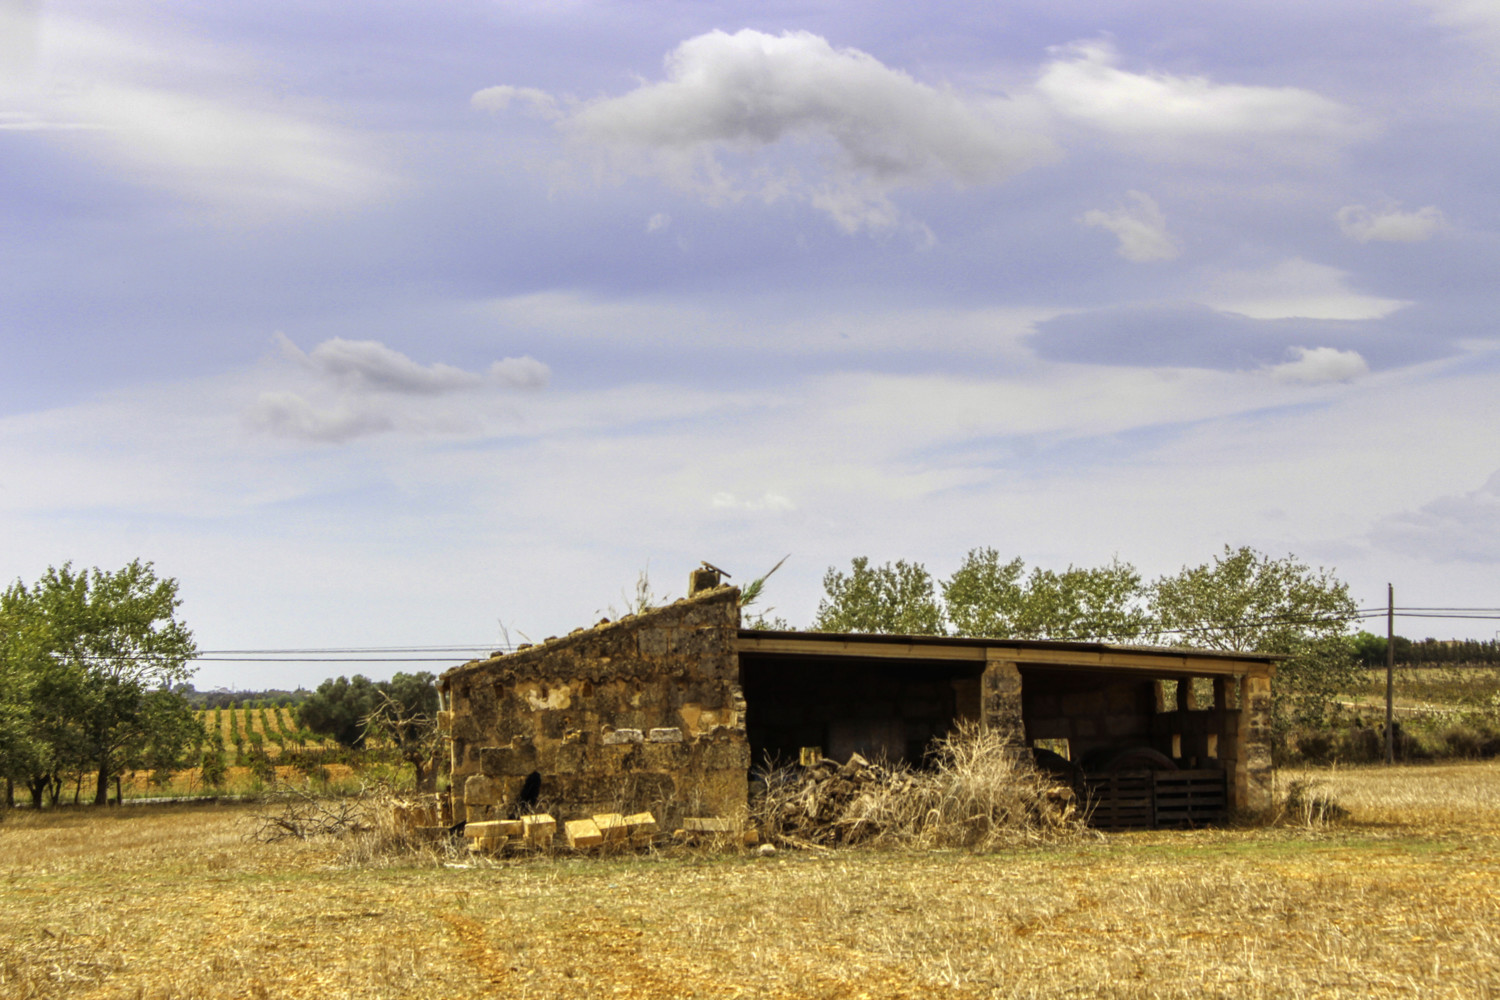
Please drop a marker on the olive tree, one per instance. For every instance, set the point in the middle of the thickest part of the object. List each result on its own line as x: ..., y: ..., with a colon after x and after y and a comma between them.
x: 895, y: 598
x: 99, y: 651
x: 987, y: 597
x: 1248, y: 602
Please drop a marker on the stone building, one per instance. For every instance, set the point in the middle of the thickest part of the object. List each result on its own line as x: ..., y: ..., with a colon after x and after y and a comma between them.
x: 667, y: 710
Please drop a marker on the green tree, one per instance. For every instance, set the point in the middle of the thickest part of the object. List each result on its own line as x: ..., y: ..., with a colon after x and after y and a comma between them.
x: 172, y: 733
x: 1248, y: 602
x: 340, y: 708
x: 895, y: 598
x: 1369, y: 649
x: 24, y: 754
x: 987, y: 597
x: 405, y: 718
x: 214, y: 767
x: 101, y: 642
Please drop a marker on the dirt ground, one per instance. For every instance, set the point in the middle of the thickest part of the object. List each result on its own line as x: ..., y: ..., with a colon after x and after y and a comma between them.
x: 1402, y: 899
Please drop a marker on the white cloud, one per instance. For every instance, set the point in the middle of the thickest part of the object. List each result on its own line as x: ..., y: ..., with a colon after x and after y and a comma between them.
x: 1141, y: 229
x: 1451, y: 528
x: 1391, y: 225
x: 1479, y: 19
x: 1295, y: 288
x: 372, y: 365
x: 1087, y: 86
x: 658, y: 222
x: 286, y: 414
x: 358, y: 388
x: 523, y: 373
x: 790, y: 116
x: 205, y: 133
x: 537, y: 102
x: 772, y: 502
x: 990, y: 332
x: 1320, y: 364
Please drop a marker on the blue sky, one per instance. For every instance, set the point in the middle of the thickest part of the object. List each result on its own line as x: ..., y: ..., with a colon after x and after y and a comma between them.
x: 388, y: 327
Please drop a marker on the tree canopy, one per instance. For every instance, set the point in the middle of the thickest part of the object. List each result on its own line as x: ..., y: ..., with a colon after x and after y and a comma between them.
x: 1248, y: 602
x: 1242, y: 600
x: 896, y: 598
x: 402, y: 712
x: 88, y: 662
x: 987, y: 597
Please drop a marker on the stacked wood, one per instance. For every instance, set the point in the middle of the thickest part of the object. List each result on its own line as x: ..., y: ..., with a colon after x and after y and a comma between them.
x: 828, y: 803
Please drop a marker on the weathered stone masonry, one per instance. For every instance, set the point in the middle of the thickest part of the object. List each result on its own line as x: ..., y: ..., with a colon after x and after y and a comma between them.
x: 642, y: 714
x: 647, y: 714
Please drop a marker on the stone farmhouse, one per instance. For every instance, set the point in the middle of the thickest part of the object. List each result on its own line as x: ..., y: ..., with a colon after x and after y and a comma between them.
x: 669, y: 711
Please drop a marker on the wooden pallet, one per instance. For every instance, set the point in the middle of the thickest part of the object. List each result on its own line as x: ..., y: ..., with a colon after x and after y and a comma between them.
x: 1150, y: 800
x: 1190, y: 798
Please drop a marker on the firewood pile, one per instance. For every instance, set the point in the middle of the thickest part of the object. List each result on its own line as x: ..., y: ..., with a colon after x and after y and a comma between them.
x: 977, y: 793
x: 828, y: 803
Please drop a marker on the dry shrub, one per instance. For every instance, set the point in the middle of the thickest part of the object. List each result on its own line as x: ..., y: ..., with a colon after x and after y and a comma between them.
x: 375, y: 826
x: 1308, y: 804
x: 981, y: 792
x: 393, y: 832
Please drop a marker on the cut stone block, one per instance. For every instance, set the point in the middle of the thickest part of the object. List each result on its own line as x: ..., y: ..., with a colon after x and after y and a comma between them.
x: 582, y: 833
x: 622, y: 736
x: 487, y: 844
x: 481, y: 789
x: 539, y: 829
x: 612, y: 826
x: 640, y: 823
x: 494, y: 828
x: 666, y: 734
x: 708, y: 824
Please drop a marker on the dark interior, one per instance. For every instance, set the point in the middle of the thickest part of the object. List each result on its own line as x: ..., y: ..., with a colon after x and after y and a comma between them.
x: 879, y: 708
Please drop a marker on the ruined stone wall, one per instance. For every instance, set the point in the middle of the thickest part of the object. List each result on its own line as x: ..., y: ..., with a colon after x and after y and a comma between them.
x: 642, y: 714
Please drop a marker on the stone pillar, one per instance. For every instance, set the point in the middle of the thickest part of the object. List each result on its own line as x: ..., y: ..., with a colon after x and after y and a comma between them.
x: 1252, y: 770
x: 1000, y: 690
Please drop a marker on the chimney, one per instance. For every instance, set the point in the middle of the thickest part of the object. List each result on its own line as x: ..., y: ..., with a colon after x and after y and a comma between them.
x: 703, y: 579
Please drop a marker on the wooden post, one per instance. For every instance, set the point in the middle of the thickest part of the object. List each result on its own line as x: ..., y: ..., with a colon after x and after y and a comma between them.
x: 1390, y: 674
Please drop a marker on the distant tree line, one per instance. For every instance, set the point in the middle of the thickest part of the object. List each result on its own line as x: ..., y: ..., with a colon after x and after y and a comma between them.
x: 1370, y: 650
x: 207, y: 701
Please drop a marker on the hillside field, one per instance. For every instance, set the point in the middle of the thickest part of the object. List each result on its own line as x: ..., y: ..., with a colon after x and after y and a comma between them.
x: 1401, y: 900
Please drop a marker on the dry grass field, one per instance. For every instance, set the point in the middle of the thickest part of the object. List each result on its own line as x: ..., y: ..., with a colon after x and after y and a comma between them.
x: 1401, y: 899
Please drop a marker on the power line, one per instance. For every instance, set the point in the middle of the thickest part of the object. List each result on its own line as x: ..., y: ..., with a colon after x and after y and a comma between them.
x: 394, y: 654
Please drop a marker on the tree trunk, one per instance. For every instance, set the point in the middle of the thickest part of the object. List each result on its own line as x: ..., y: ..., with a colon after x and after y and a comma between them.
x: 119, y: 795
x: 101, y: 790
x: 37, y: 786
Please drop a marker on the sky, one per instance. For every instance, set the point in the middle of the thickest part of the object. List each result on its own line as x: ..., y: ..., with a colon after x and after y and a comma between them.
x: 438, y: 324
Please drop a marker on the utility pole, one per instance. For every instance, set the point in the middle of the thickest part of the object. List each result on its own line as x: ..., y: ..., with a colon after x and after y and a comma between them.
x: 1390, y: 674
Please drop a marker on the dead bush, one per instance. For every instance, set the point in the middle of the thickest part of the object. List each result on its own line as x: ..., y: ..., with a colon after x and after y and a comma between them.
x: 1307, y: 804
x: 301, y: 815
x: 980, y: 791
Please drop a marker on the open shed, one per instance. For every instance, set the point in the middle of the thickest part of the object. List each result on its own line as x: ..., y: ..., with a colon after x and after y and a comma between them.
x: 666, y: 711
